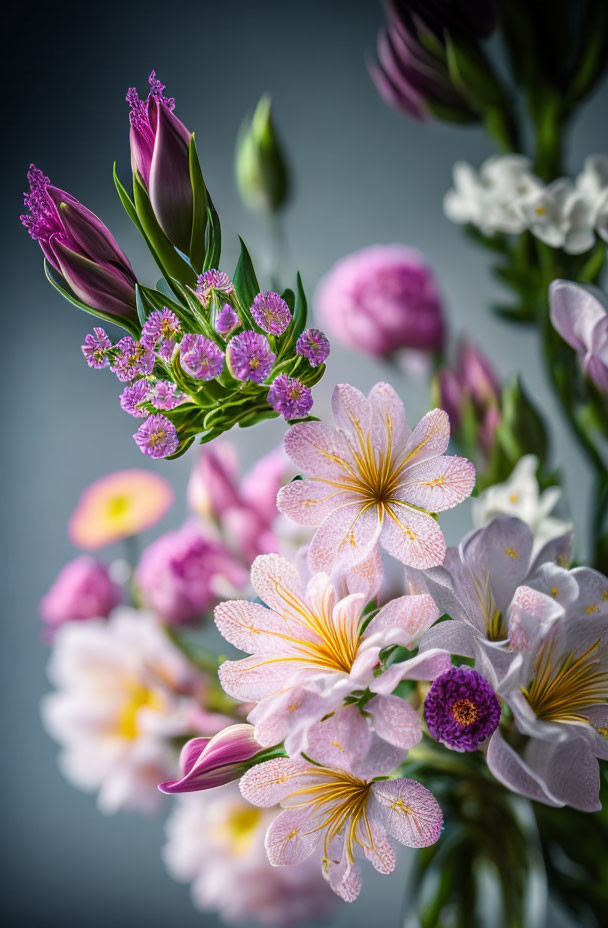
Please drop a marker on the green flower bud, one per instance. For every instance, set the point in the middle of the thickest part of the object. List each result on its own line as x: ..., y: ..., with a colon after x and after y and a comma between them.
x: 261, y: 169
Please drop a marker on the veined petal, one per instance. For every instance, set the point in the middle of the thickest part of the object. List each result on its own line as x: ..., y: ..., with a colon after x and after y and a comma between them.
x: 395, y: 721
x: 573, y: 784
x: 310, y: 502
x: 253, y: 678
x: 253, y: 628
x: 341, y: 741
x: 389, y: 424
x: 268, y: 783
x: 343, y: 876
x: 287, y: 840
x: 509, y: 769
x: 409, y: 811
x: 437, y: 484
x: 456, y: 637
x: 413, y: 537
x: 376, y: 846
x: 425, y: 666
x: 430, y: 437
x: 318, y: 450
x: 345, y: 538
x: 278, y: 584
x: 404, y: 619
x: 352, y: 411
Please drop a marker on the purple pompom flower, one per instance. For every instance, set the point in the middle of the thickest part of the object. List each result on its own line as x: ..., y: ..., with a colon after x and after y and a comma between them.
x: 132, y: 397
x: 290, y: 397
x: 213, y: 283
x: 313, y: 345
x: 96, y: 348
x: 164, y: 395
x: 271, y: 312
x: 226, y: 320
x: 162, y: 325
x: 249, y: 356
x: 461, y: 709
x: 157, y: 436
x: 130, y: 359
x: 200, y: 357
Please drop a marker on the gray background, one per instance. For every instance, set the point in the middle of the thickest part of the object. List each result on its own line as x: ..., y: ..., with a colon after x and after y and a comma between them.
x: 363, y: 175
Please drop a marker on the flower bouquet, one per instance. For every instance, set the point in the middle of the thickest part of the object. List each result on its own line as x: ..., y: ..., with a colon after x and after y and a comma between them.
x: 381, y: 688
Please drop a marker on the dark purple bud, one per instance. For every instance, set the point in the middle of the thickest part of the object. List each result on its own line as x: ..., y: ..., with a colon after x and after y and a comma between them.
x: 100, y: 286
x: 210, y: 762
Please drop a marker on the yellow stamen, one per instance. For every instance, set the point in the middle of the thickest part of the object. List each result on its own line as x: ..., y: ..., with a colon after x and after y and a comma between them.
x: 561, y: 689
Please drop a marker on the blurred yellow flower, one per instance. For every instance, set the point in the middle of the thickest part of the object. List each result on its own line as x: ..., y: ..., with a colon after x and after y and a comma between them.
x: 119, y: 505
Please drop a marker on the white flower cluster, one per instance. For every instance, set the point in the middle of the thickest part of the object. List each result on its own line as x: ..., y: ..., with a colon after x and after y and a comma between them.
x: 505, y: 196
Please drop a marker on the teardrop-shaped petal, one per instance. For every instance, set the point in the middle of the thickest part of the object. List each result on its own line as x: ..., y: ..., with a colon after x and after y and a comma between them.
x: 408, y: 810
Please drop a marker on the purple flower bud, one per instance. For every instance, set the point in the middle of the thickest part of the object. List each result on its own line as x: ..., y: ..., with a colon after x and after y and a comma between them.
x: 83, y: 590
x: 249, y: 356
x: 226, y: 320
x: 477, y: 376
x: 210, y: 762
x: 314, y: 346
x: 161, y: 326
x: 271, y: 312
x: 461, y: 709
x: 290, y: 397
x: 96, y: 348
x: 200, y: 357
x: 78, y: 245
x: 131, y: 359
x: 157, y: 437
x: 213, y: 283
x: 164, y: 395
x: 133, y: 396
x: 159, y: 154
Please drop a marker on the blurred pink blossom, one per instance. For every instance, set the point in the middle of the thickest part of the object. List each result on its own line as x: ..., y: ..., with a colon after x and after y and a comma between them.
x: 83, y: 590
x: 382, y: 299
x: 582, y: 321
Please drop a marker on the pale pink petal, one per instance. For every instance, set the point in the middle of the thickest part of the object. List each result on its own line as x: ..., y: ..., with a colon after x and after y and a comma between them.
x: 253, y: 628
x: 509, y: 769
x: 343, y: 875
x: 413, y: 537
x: 409, y: 811
x: 572, y: 784
x: 395, y: 721
x: 310, y: 502
x: 352, y: 411
x: 321, y: 594
x: 317, y: 450
x: 287, y: 840
x: 403, y: 620
x: 425, y: 666
x: 382, y: 759
x: 366, y: 576
x: 376, y: 846
x: 430, y: 437
x: 253, y: 678
x: 345, y: 538
x: 389, y: 425
x: 278, y: 584
x: 438, y: 484
x: 341, y: 741
x: 364, y: 663
x: 451, y: 635
x: 268, y: 783
x: 288, y: 714
x: 574, y: 313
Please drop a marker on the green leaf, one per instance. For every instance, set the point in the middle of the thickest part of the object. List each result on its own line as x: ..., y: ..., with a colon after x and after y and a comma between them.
x: 199, y: 209
x: 245, y: 281
x: 62, y: 288
x: 591, y: 271
x: 301, y: 309
x: 183, y: 447
x: 163, y: 252
x: 214, y: 237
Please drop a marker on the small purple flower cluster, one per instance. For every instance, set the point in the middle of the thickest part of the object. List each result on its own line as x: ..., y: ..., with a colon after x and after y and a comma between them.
x: 249, y: 356
x: 461, y: 709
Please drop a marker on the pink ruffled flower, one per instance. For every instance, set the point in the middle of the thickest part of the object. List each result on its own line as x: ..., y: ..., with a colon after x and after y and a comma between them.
x: 182, y: 574
x: 582, y: 321
x: 83, y: 590
x: 381, y: 299
x: 336, y: 813
x: 309, y: 651
x: 373, y: 480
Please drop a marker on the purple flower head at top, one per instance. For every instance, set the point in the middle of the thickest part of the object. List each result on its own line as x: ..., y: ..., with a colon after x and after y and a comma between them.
x: 382, y: 299
x: 314, y: 346
x: 96, y: 348
x: 131, y: 359
x: 161, y: 328
x: 213, y: 283
x: 133, y: 396
x: 226, y: 321
x: 290, y: 397
x: 157, y: 437
x: 160, y: 156
x: 80, y: 247
x: 164, y: 395
x: 461, y: 709
x: 271, y: 312
x: 249, y: 356
x: 200, y: 357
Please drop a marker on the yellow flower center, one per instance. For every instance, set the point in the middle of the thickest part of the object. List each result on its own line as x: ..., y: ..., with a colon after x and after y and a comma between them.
x: 238, y: 830
x: 140, y: 697
x: 561, y: 689
x: 118, y: 507
x: 465, y: 712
